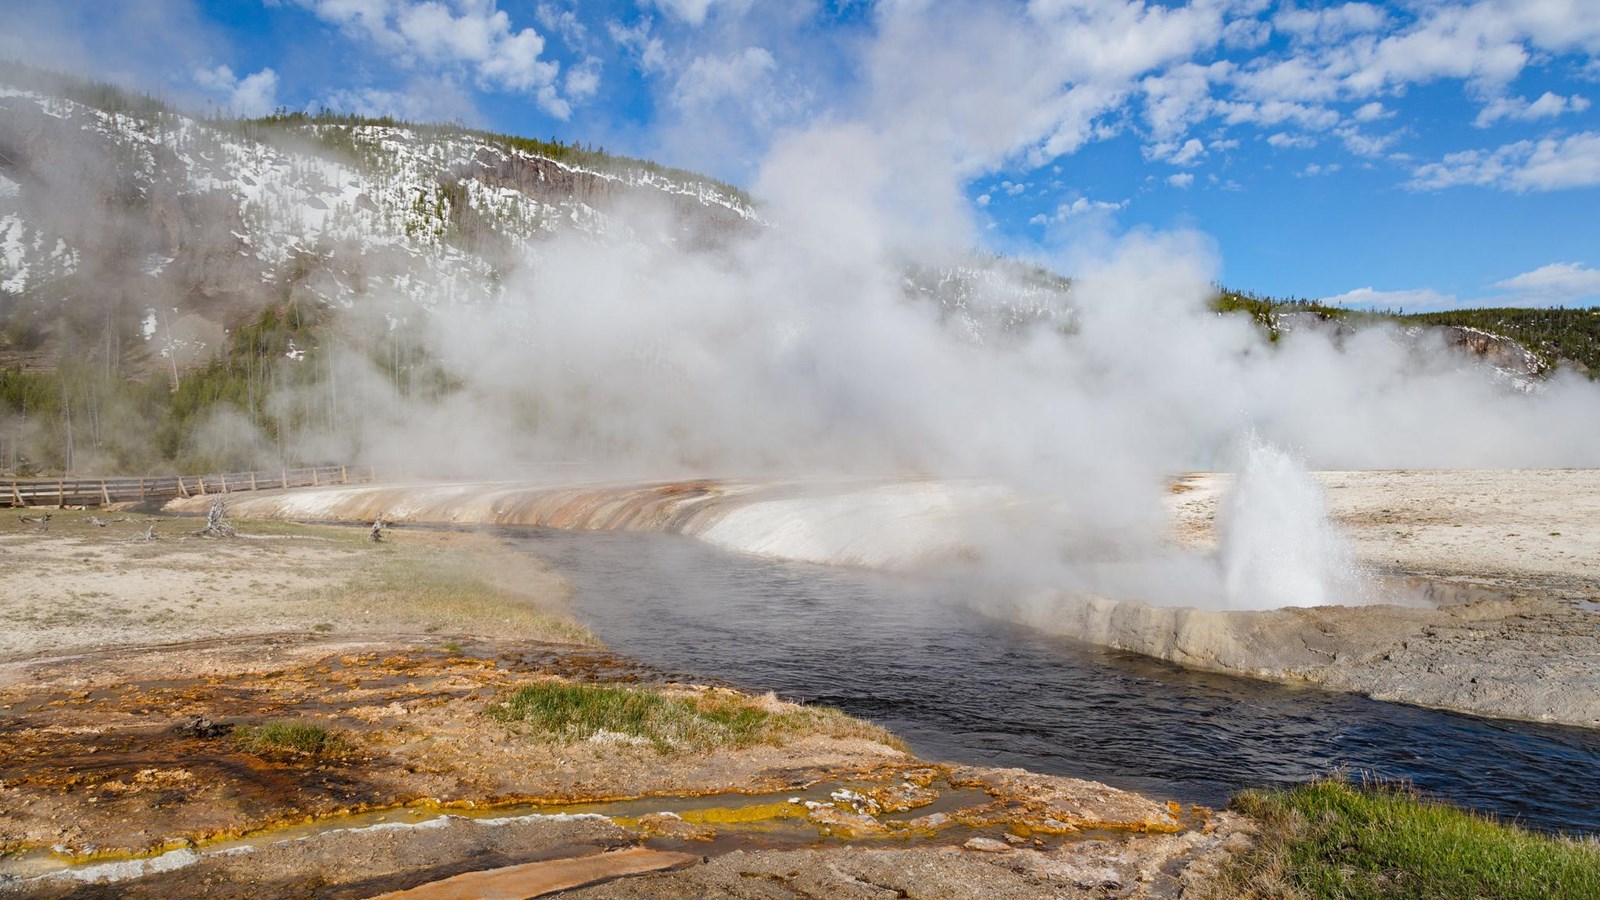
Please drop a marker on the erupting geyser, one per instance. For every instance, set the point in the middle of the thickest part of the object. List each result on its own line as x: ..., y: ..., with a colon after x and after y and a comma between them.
x: 1276, y: 545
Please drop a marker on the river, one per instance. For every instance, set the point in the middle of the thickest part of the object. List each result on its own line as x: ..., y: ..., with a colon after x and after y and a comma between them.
x: 917, y: 657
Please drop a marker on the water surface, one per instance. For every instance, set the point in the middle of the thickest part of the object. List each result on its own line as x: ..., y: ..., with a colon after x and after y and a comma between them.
x: 917, y: 659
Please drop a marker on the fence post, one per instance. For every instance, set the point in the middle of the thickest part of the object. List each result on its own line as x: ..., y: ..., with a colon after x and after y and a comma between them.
x: 252, y: 480
x: 61, y: 493
x: 105, y: 492
x: 344, y: 475
x: 283, y: 478
x: 224, y: 477
x: 141, y: 488
x: 314, y: 481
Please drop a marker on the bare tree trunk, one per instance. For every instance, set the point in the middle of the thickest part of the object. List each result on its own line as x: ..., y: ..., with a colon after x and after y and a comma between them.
x: 172, y: 350
x: 215, y: 527
x: 66, y: 402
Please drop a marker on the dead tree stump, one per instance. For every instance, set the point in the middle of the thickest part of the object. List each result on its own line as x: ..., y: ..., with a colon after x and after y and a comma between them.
x: 215, y: 527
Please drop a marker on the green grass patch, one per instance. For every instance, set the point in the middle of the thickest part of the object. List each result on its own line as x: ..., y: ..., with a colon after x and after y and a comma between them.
x: 671, y: 721
x: 1335, y: 839
x: 303, y: 738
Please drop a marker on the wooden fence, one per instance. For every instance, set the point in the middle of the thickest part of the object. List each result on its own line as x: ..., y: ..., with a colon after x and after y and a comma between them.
x: 103, y: 491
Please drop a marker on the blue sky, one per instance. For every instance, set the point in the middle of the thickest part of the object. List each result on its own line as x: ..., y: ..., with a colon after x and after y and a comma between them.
x: 1418, y: 154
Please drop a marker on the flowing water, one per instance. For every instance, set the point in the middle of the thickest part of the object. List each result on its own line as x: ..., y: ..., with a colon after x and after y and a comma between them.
x: 917, y: 659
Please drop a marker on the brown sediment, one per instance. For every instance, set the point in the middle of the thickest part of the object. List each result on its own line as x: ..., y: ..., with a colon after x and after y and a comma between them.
x: 101, y: 767
x: 113, y: 749
x: 118, y: 761
x: 537, y: 879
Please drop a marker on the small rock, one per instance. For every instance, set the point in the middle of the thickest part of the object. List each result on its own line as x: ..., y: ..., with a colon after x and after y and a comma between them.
x: 987, y: 845
x: 841, y: 823
x: 1102, y: 878
x: 666, y: 824
x: 202, y: 727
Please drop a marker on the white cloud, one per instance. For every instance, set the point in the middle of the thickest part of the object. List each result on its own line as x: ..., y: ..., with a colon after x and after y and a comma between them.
x: 1359, y: 51
x: 368, y: 17
x: 1122, y: 39
x: 992, y: 81
x: 1181, y: 180
x: 1191, y: 151
x: 1185, y: 154
x: 1080, y: 206
x: 1180, y: 96
x: 1474, y: 43
x: 649, y: 53
x: 1363, y: 144
x: 1277, y: 112
x: 724, y: 108
x: 712, y: 80
x: 1418, y: 300
x: 564, y: 22
x: 1555, y: 283
x: 251, y: 96
x: 1314, y: 169
x: 1282, y: 141
x: 1330, y: 23
x: 1371, y: 112
x: 583, y: 80
x: 470, y: 35
x: 1299, y: 79
x: 1012, y: 86
x: 1521, y: 109
x: 1246, y: 33
x: 692, y: 11
x: 1545, y: 165
x: 220, y: 79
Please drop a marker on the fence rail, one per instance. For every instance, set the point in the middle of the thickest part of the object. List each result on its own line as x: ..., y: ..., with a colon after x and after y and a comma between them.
x: 104, y: 491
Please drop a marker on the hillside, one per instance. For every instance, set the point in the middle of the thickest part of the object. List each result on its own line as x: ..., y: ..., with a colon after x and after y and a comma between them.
x: 1531, y: 342
x: 1558, y: 336
x: 189, y: 293
x: 154, y: 265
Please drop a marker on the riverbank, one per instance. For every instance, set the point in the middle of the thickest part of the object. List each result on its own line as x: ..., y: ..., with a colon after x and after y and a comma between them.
x: 1502, y: 569
x: 1491, y: 578
x: 297, y: 711
x: 1490, y: 581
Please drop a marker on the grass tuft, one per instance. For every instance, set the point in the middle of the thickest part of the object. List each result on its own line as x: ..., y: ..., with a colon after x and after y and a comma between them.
x: 1334, y: 839
x: 301, y: 738
x: 672, y: 721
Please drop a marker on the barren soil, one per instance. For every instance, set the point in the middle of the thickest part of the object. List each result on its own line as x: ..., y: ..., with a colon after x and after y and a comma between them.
x: 74, y: 585
x: 127, y: 665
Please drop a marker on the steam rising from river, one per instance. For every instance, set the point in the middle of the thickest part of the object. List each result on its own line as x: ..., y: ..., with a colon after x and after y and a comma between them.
x: 794, y: 349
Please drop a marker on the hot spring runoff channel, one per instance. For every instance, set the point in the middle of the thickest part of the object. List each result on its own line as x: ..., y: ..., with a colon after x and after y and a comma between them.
x: 963, y: 688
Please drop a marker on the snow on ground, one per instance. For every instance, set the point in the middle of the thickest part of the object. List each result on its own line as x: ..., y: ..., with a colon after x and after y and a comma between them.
x: 307, y: 188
